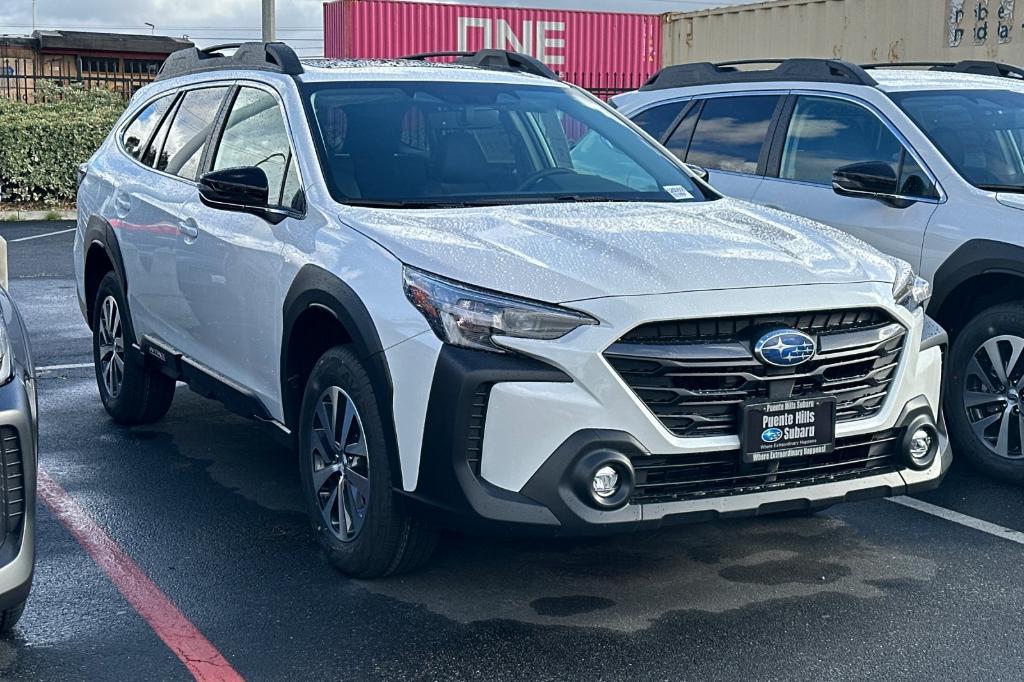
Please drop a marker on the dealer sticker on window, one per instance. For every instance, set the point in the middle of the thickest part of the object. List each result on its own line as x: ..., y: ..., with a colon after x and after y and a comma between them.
x: 678, y: 192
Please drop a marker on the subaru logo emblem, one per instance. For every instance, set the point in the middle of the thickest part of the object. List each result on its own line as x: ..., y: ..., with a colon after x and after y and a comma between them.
x: 785, y: 348
x: 771, y: 435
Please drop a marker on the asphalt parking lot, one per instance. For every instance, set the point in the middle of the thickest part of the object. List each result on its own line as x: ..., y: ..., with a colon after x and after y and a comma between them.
x: 204, y: 507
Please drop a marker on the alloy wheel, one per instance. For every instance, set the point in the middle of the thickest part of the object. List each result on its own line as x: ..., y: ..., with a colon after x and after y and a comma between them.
x: 111, y: 343
x: 993, y: 384
x: 340, y: 462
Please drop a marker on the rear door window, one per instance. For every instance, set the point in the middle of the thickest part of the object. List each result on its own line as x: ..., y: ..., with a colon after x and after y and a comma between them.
x: 656, y: 121
x: 137, y: 134
x: 190, y: 132
x: 731, y: 133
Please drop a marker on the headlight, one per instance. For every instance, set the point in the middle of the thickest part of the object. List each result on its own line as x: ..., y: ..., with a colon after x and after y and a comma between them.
x: 471, y: 318
x: 909, y: 290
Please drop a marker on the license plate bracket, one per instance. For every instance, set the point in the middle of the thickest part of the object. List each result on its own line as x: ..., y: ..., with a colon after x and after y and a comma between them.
x: 779, y: 429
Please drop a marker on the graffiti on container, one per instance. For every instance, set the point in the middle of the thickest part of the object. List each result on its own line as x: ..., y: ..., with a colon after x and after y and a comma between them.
x: 956, y: 16
x: 544, y: 40
x: 1005, y: 18
x: 986, y: 19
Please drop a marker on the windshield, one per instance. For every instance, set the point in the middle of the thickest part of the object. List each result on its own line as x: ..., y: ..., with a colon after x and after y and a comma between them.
x: 980, y: 132
x: 457, y: 143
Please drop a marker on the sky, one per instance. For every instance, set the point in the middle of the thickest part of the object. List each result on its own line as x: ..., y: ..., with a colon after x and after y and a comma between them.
x: 300, y: 22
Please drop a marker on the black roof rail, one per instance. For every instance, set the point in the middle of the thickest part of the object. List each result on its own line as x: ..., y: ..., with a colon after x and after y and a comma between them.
x: 275, y: 57
x: 497, y: 60
x: 975, y: 66
x: 808, y: 70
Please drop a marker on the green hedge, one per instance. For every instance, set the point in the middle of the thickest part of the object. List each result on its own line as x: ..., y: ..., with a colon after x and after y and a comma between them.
x: 42, y: 144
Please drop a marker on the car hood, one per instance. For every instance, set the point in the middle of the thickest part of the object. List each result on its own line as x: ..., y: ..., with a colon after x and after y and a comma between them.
x: 567, y: 252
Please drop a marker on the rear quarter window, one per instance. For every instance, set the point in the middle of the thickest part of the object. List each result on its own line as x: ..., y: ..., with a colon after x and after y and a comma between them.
x: 137, y: 134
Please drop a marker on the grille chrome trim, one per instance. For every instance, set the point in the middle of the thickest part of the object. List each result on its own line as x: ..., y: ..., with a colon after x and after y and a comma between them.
x: 694, y: 382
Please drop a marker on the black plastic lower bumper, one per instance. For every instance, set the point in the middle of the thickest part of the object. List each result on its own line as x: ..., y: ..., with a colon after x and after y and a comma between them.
x: 451, y: 493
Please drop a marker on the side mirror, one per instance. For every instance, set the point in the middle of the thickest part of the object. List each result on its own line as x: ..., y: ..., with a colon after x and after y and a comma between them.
x: 244, y: 189
x: 869, y: 180
x: 700, y: 172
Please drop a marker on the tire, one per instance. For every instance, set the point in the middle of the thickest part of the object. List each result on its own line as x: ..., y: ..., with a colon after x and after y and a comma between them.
x: 365, y: 537
x: 131, y: 392
x: 9, y: 618
x: 977, y: 401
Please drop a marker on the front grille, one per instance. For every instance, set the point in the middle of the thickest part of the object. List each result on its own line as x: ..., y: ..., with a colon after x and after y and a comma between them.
x: 13, y: 478
x: 695, y: 374
x: 688, y: 477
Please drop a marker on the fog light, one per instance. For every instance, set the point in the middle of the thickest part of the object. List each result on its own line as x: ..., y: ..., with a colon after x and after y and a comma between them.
x: 606, y: 482
x: 921, y: 444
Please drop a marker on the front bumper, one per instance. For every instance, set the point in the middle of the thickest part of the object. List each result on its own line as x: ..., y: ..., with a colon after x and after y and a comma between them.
x: 452, y: 493
x: 502, y: 434
x: 19, y: 462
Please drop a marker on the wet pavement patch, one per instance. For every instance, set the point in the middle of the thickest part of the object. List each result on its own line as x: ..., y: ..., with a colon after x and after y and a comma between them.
x: 796, y: 570
x: 570, y: 606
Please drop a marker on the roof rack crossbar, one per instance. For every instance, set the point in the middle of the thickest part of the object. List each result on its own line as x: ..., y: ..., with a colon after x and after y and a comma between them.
x: 806, y: 70
x: 276, y: 57
x: 497, y: 60
x: 975, y: 66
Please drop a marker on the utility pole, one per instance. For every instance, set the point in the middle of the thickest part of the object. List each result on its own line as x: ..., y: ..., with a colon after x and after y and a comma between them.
x: 269, y: 22
x: 33, y: 16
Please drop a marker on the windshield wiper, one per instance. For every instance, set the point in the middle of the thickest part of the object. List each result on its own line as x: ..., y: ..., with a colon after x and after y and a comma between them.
x: 989, y: 187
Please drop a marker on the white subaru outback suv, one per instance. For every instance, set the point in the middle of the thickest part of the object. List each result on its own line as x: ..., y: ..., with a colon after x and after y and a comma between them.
x: 923, y: 161
x: 477, y: 297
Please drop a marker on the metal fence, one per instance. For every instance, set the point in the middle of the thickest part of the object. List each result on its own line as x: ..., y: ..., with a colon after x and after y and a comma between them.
x: 28, y: 87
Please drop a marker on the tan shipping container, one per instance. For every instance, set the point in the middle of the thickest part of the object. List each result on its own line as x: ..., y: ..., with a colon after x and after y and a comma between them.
x: 856, y: 30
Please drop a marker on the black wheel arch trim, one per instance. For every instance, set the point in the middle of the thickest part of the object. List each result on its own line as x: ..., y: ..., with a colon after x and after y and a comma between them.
x: 315, y: 287
x: 99, y: 233
x: 972, y: 259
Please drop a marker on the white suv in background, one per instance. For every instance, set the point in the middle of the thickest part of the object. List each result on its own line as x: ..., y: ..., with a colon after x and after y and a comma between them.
x: 478, y: 297
x: 923, y: 161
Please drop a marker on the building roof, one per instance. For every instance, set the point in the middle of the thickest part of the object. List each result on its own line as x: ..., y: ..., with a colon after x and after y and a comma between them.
x: 109, y: 42
x: 89, y: 41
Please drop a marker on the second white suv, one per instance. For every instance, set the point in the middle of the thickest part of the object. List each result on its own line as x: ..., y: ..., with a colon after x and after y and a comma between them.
x: 478, y: 297
x: 923, y: 161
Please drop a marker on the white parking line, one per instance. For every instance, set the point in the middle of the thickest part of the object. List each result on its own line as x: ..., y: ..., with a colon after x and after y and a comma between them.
x: 962, y: 519
x: 40, y: 236
x: 58, y: 368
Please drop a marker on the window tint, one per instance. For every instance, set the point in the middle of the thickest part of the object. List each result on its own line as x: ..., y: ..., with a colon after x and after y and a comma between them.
x: 189, y: 132
x: 137, y: 134
x: 429, y: 143
x: 731, y: 132
x: 679, y: 142
x: 980, y: 132
x: 657, y: 120
x: 256, y: 135
x: 827, y: 133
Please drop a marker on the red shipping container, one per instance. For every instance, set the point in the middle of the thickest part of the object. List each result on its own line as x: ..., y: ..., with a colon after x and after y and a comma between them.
x: 604, y: 52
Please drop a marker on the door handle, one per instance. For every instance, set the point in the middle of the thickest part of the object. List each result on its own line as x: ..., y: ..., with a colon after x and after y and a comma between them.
x: 190, y: 229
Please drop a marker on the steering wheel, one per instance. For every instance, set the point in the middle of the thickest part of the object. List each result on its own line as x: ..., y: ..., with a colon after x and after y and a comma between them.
x: 540, y: 175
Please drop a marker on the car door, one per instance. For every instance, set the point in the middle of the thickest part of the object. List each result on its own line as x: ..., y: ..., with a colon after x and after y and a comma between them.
x: 728, y: 135
x: 822, y: 133
x: 149, y: 206
x: 230, y: 272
